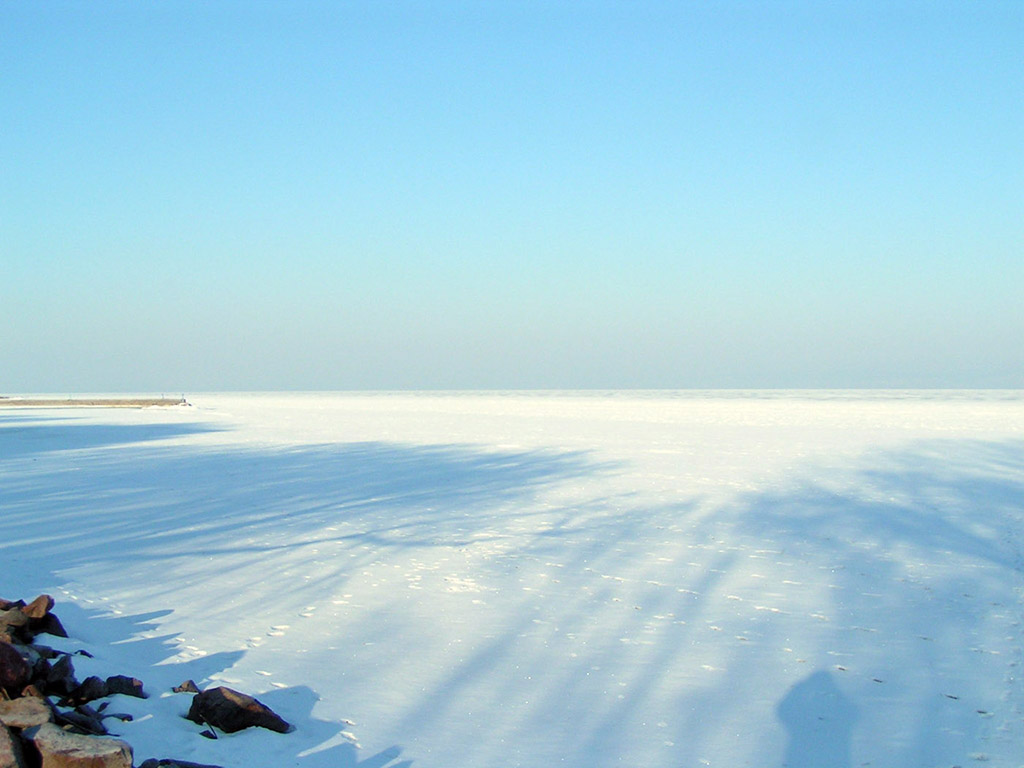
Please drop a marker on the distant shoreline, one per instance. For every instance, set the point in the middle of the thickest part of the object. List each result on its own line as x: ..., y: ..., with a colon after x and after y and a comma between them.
x: 91, y: 402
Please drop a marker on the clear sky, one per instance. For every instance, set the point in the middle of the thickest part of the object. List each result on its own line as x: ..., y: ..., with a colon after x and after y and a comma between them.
x: 385, y: 195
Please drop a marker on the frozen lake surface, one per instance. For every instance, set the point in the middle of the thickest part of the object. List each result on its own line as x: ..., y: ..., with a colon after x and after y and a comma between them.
x: 438, y: 580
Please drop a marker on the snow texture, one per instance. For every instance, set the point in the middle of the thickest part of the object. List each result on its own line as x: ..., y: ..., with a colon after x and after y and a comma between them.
x: 530, y: 579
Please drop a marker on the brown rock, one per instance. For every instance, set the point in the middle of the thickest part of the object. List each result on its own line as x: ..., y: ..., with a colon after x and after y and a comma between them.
x: 13, y: 617
x: 25, y: 713
x: 232, y: 711
x: 15, y: 672
x: 61, y: 749
x: 189, y: 686
x: 39, y: 607
x: 10, y: 750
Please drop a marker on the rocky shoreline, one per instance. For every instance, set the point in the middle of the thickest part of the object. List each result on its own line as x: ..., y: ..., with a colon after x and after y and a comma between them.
x: 48, y: 719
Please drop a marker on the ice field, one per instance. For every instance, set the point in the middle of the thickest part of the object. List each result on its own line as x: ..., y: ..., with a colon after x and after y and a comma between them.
x: 583, y: 579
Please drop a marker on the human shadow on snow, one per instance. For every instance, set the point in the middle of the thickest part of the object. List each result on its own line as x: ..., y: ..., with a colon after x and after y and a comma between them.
x: 819, y: 720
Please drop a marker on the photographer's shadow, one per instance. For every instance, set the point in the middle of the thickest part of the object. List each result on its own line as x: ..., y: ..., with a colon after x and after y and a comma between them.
x: 819, y: 720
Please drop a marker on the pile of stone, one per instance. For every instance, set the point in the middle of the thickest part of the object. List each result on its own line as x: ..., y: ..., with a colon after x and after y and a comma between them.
x: 48, y: 719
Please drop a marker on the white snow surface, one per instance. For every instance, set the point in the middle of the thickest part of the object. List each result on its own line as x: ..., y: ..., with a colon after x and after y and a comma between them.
x: 589, y: 579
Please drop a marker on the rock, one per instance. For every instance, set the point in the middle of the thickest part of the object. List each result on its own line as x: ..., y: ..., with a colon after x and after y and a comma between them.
x: 61, y: 749
x: 25, y: 713
x: 14, y: 623
x: 39, y: 607
x: 15, y: 672
x: 232, y: 711
x: 46, y: 651
x: 126, y: 686
x: 10, y: 750
x: 154, y: 763
x: 189, y: 686
x: 83, y: 719
x: 49, y: 625
x: 39, y: 665
x: 92, y: 688
x: 60, y: 679
x: 6, y: 605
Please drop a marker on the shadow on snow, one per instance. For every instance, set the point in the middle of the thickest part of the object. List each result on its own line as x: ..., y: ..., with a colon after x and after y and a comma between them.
x: 901, y: 511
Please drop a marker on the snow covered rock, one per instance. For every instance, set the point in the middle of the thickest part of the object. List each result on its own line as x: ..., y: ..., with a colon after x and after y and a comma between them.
x: 61, y: 749
x: 232, y: 711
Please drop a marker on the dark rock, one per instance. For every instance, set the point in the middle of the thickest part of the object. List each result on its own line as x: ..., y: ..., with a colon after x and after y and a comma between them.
x: 60, y: 680
x: 92, y: 688
x: 15, y: 671
x: 126, y: 686
x: 49, y: 625
x: 208, y: 734
x: 154, y: 763
x: 6, y: 605
x: 40, y: 671
x: 189, y: 686
x: 62, y: 749
x: 232, y: 711
x: 84, y: 719
x: 46, y: 651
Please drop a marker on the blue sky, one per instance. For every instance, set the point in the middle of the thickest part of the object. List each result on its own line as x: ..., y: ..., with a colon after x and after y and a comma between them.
x: 382, y: 195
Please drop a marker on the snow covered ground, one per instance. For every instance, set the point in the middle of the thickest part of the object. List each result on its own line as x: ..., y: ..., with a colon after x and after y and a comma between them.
x: 826, y: 579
